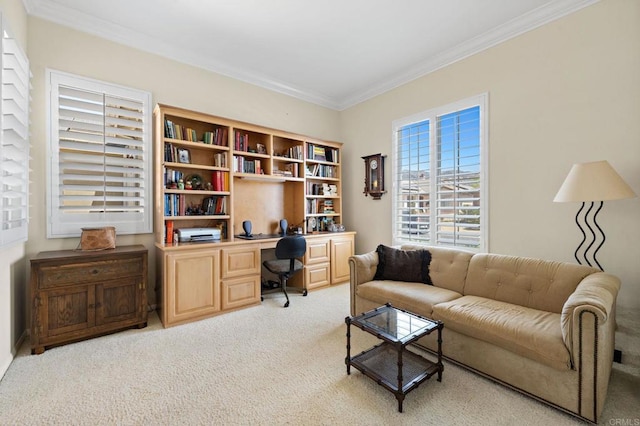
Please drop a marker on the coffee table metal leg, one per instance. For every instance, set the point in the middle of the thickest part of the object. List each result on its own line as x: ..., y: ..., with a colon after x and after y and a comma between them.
x: 347, y: 360
x: 440, y: 365
x: 399, y: 393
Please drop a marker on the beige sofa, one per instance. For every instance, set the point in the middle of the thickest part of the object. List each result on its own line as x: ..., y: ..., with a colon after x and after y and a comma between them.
x: 544, y: 328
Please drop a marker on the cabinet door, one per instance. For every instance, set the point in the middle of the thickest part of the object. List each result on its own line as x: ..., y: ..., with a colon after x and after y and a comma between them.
x: 119, y: 301
x: 341, y: 249
x: 192, y: 285
x: 241, y: 291
x: 69, y: 310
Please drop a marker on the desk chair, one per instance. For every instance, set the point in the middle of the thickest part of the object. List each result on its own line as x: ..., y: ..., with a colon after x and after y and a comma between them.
x: 288, y: 250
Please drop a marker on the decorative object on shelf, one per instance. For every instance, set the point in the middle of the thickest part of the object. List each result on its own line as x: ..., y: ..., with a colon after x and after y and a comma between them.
x: 312, y: 224
x: 374, y: 175
x: 95, y: 239
x: 592, y: 182
x: 195, y: 181
x: 184, y: 156
x: 246, y: 226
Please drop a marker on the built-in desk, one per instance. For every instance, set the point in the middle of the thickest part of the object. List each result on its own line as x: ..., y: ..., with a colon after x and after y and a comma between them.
x: 200, y: 280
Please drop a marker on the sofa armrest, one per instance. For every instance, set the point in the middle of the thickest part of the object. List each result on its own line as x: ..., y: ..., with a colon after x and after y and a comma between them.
x: 596, y: 294
x: 588, y: 330
x: 362, y: 269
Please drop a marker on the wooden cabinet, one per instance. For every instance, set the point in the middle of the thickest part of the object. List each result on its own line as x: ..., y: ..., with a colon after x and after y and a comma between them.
x: 78, y: 295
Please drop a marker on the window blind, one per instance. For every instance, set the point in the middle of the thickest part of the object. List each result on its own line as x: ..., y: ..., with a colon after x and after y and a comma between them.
x: 14, y: 146
x: 100, y: 157
x: 439, y: 176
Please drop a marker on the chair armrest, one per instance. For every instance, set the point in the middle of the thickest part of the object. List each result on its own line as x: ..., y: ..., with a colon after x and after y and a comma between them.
x: 362, y: 268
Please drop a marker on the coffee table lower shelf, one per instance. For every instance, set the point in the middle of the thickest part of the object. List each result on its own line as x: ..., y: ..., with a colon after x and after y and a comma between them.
x: 381, y: 363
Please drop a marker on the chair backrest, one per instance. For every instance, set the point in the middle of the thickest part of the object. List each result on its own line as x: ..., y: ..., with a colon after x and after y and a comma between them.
x: 291, y: 247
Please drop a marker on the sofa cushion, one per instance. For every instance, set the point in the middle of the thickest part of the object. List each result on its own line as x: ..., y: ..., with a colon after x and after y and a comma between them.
x: 448, y: 268
x: 528, y: 332
x: 403, y: 265
x: 414, y: 297
x: 534, y: 283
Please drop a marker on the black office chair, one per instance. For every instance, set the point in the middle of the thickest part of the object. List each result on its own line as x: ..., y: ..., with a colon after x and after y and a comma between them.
x: 288, y: 250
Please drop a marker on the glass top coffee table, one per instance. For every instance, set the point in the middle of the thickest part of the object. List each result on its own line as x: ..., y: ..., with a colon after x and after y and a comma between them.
x: 389, y: 363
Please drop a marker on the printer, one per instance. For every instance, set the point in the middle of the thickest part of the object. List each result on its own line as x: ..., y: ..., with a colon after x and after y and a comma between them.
x: 198, y: 234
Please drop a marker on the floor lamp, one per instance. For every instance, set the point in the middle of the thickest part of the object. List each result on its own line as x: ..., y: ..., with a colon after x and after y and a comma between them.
x: 592, y: 183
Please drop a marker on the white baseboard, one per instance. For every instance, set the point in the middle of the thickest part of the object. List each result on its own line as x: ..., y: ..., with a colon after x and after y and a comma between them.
x: 8, y: 359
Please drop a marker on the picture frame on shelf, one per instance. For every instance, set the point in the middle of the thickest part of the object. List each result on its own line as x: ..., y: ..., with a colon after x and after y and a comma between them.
x: 184, y: 156
x: 261, y: 149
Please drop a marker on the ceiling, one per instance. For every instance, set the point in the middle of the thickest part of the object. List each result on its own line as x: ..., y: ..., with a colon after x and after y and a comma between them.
x: 335, y: 53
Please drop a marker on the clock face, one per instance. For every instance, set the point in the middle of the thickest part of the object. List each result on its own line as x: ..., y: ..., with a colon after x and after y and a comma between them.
x: 373, y: 164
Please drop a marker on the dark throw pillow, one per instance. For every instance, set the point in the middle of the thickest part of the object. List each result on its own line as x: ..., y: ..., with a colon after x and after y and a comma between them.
x: 403, y: 265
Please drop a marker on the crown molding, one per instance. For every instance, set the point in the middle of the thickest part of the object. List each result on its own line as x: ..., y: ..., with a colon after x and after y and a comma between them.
x: 68, y: 17
x: 527, y: 22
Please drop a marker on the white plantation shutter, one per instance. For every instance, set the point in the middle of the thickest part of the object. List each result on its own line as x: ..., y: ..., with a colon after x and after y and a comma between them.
x: 14, y: 146
x: 100, y: 159
x: 440, y: 184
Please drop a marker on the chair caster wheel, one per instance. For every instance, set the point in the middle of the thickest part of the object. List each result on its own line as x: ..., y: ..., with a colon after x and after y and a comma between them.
x: 286, y: 305
x: 304, y: 293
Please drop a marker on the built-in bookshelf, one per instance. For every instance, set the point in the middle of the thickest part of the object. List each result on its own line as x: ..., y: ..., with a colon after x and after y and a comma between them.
x: 323, y: 186
x: 216, y: 172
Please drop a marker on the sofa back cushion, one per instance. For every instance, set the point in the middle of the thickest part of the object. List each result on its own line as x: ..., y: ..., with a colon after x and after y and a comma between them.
x: 534, y: 283
x: 448, y: 268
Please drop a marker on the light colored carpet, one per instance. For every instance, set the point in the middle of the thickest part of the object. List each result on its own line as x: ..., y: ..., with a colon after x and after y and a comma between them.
x: 262, y: 365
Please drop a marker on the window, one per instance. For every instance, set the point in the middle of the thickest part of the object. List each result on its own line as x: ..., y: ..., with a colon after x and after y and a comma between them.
x: 99, y: 156
x: 14, y: 145
x: 439, y: 170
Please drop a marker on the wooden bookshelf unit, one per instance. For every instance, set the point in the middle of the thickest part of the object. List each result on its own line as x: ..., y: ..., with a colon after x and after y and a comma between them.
x: 214, y: 172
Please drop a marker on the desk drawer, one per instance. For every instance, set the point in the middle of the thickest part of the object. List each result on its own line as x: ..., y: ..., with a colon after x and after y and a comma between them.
x: 74, y: 273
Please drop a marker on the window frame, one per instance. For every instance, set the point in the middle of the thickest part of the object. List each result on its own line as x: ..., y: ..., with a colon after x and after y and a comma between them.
x: 56, y: 226
x: 481, y: 101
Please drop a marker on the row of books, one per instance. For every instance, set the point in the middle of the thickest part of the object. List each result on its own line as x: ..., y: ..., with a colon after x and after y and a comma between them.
x: 220, y: 159
x: 247, y: 165
x: 176, y: 205
x: 214, y: 205
x: 290, y: 170
x: 322, y: 170
x: 321, y: 189
x: 172, y: 176
x: 220, y: 180
x: 177, y: 131
x: 241, y: 141
x: 322, y: 153
x: 295, y: 152
x: 320, y: 206
x: 217, y: 137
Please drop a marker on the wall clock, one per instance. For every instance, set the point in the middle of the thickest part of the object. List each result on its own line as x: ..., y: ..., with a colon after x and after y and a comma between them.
x: 374, y: 175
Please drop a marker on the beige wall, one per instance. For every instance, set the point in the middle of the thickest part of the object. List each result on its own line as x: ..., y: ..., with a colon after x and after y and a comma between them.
x: 12, y: 266
x: 564, y: 93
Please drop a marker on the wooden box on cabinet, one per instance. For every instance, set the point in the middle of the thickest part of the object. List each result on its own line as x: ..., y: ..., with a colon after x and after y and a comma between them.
x: 77, y: 295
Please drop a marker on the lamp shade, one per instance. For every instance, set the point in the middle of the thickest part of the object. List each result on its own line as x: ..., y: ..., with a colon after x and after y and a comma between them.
x: 595, y: 181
